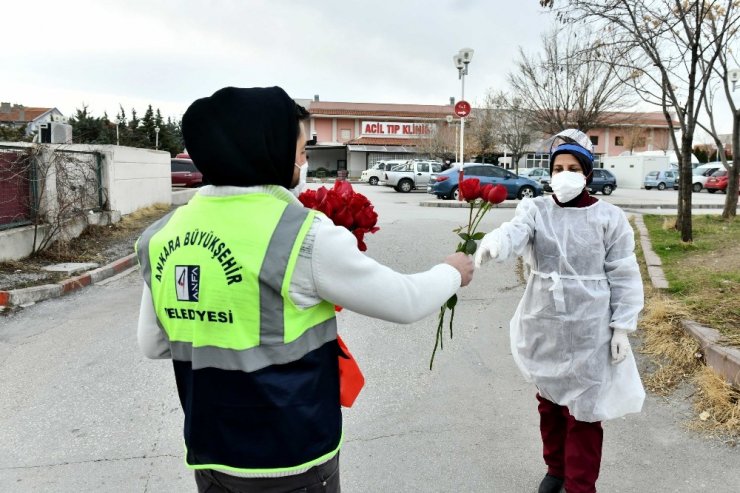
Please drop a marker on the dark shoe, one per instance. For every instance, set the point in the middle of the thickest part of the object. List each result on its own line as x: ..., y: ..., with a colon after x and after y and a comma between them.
x: 551, y: 484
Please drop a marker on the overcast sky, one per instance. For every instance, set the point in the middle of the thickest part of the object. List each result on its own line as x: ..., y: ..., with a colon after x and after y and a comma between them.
x: 170, y: 52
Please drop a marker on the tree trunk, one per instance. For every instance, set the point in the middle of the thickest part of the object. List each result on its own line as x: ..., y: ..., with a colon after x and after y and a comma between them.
x: 730, y: 209
x: 683, y: 221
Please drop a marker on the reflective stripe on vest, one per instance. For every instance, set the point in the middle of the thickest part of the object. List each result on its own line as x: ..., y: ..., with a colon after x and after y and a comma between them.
x: 279, y: 330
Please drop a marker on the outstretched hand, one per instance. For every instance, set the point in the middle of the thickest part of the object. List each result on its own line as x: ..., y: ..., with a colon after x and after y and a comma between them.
x: 488, y: 249
x: 464, y: 264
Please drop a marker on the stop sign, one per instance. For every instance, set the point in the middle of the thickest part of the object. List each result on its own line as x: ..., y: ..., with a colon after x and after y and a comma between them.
x: 462, y: 109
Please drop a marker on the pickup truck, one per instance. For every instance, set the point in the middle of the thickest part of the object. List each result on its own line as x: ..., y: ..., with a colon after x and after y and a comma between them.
x: 411, y: 176
x: 375, y: 174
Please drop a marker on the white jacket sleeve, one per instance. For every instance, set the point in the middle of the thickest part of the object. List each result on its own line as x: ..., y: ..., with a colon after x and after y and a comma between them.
x: 623, y: 273
x: 345, y: 276
x: 152, y: 338
x: 513, y: 237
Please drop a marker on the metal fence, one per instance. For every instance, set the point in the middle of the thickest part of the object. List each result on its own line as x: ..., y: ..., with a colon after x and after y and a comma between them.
x: 47, y: 183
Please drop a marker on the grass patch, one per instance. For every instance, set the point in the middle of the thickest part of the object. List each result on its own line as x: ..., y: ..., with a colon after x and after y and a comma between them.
x: 676, y: 357
x: 703, y: 276
x: 717, y: 404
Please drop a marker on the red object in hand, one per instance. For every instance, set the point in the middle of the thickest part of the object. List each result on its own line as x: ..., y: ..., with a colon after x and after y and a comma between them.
x: 351, y: 379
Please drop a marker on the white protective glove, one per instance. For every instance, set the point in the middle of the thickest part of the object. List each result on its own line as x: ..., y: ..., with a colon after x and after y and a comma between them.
x: 488, y: 249
x: 620, y: 346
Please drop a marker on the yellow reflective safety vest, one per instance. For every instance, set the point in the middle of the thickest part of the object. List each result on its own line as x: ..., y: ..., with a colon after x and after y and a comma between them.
x: 256, y: 375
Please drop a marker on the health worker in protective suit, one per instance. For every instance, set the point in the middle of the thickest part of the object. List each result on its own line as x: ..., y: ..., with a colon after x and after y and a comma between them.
x: 569, y: 332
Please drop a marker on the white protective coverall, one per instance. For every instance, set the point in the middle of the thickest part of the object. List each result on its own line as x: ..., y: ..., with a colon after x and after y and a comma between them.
x: 584, y: 282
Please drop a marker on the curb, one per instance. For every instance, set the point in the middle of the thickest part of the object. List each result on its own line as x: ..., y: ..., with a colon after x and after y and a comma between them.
x: 724, y: 360
x: 24, y: 296
x: 511, y: 204
x: 654, y: 264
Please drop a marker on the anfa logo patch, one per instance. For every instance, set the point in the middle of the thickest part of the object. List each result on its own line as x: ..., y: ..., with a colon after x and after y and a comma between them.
x: 187, y: 282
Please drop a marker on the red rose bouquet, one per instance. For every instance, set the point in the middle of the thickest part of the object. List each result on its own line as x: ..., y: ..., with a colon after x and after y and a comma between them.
x: 480, y: 200
x: 350, y: 209
x: 344, y: 207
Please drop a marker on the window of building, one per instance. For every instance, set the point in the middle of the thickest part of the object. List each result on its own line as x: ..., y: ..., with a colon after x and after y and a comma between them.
x: 619, y: 141
x: 594, y: 139
x: 538, y: 160
x: 346, y: 134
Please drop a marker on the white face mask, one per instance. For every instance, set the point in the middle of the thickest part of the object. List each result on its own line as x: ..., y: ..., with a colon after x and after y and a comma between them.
x: 567, y: 185
x: 302, y: 178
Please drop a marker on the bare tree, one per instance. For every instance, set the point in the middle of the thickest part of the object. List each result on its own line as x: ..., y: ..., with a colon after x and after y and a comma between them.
x: 725, y: 61
x: 65, y: 188
x: 664, y: 43
x: 634, y: 137
x: 513, y: 125
x: 440, y: 144
x: 571, y: 83
x: 482, y: 139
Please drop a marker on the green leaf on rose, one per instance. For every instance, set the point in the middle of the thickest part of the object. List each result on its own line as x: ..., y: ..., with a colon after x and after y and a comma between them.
x: 470, y: 247
x: 452, y: 302
x: 479, y: 235
x: 464, y: 236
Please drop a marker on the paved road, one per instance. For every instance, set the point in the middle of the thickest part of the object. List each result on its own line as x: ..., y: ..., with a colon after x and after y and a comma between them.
x: 81, y: 410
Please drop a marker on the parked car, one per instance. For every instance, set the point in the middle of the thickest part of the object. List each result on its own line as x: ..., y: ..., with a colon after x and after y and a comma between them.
x: 410, y: 176
x: 375, y: 174
x: 535, y: 174
x: 445, y: 185
x: 718, y: 181
x: 700, y: 175
x: 660, y: 179
x: 603, y: 181
x: 185, y: 174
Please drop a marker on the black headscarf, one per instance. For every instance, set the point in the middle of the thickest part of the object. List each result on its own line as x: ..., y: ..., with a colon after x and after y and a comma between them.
x: 243, y: 137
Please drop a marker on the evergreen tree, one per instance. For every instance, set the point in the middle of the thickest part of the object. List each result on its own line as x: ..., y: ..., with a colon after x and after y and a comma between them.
x: 87, y: 129
x: 147, y: 126
x: 10, y: 133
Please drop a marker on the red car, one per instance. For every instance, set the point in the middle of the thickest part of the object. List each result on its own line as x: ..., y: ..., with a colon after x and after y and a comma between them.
x: 718, y: 181
x: 185, y: 174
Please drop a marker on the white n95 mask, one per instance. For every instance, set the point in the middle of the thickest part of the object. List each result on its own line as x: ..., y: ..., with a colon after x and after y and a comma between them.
x: 302, y: 178
x: 567, y: 185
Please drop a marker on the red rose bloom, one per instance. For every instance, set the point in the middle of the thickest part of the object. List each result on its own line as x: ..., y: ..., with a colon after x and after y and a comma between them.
x: 345, y: 208
x: 470, y: 189
x: 496, y: 194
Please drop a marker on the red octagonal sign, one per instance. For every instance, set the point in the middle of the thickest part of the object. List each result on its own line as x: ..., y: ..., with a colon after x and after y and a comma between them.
x: 462, y: 109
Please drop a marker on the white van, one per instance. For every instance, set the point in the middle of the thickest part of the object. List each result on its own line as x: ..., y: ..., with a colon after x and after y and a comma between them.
x: 700, y: 174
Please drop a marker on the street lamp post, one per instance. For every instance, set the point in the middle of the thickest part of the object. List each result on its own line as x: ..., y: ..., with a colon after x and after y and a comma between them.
x: 156, y: 137
x: 462, y: 60
x: 117, y: 122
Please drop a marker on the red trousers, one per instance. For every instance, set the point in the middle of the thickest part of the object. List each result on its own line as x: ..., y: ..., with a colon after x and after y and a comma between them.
x: 571, y: 448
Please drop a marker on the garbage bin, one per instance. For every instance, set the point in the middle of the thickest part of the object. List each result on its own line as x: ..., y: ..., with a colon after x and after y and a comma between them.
x: 342, y: 174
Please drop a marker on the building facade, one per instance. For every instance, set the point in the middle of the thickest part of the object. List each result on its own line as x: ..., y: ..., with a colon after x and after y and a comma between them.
x: 351, y: 137
x: 621, y: 133
x: 347, y: 138
x: 18, y: 115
